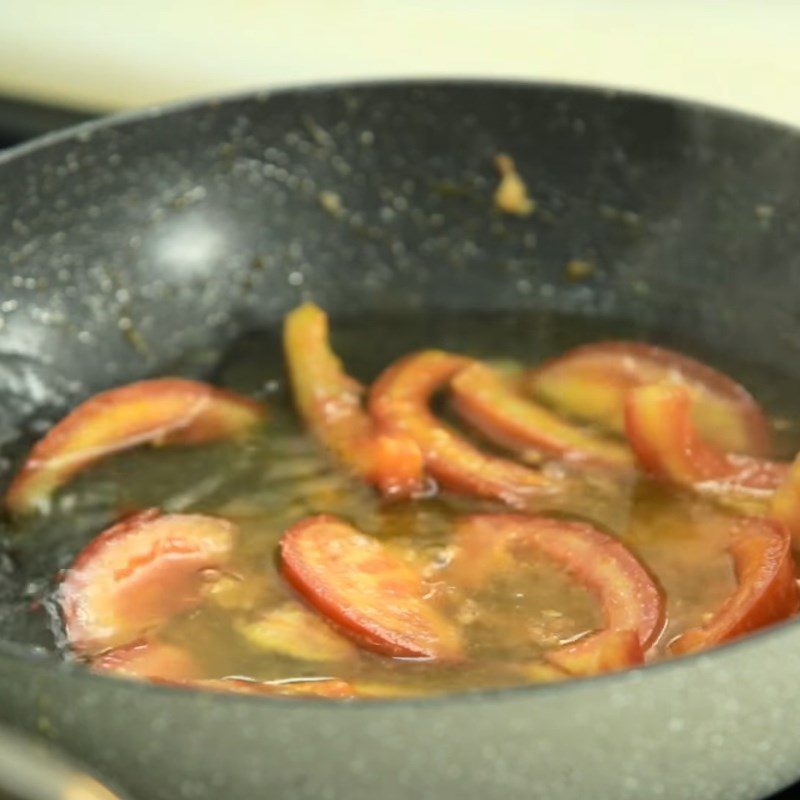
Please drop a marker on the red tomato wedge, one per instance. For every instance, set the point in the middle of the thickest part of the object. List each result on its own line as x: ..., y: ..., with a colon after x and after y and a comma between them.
x: 592, y: 381
x: 399, y: 403
x: 330, y: 401
x: 372, y: 596
x: 488, y: 402
x: 606, y: 651
x: 766, y: 593
x: 785, y: 504
x: 148, y: 659
x: 628, y: 596
x: 139, y: 572
x: 660, y: 429
x: 159, y: 411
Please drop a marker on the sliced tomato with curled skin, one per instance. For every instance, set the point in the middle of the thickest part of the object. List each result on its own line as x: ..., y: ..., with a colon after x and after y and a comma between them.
x: 399, y: 403
x: 487, y: 401
x: 138, y: 573
x: 629, y: 598
x: 662, y: 433
x: 226, y: 416
x: 766, y: 592
x: 785, y: 503
x: 148, y: 659
x: 598, y: 653
x: 330, y: 401
x: 159, y: 411
x: 371, y: 595
x: 591, y: 382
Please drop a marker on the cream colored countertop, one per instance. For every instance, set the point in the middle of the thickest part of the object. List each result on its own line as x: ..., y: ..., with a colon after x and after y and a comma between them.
x: 112, y: 54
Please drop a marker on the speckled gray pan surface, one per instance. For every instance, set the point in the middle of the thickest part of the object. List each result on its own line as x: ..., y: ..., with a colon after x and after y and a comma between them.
x: 149, y: 244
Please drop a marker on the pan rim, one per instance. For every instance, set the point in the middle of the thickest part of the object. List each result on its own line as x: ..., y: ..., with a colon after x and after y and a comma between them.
x: 83, y: 131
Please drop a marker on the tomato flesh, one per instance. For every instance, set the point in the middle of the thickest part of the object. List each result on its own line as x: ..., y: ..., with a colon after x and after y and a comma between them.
x: 372, y: 596
x: 592, y: 381
x: 766, y: 593
x: 151, y: 659
x: 489, y: 403
x: 138, y: 573
x: 661, y: 431
x: 785, y: 503
x: 629, y: 597
x: 330, y: 401
x: 159, y: 411
x: 399, y: 403
x: 606, y: 651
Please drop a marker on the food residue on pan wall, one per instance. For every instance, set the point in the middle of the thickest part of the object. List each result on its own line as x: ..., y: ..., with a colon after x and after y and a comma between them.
x: 579, y: 269
x: 511, y: 195
x: 764, y: 214
x: 331, y: 202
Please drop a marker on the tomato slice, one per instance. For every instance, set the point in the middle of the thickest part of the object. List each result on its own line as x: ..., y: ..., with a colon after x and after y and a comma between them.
x: 330, y: 401
x: 159, y: 411
x: 148, y: 659
x: 592, y: 381
x: 606, y: 651
x: 133, y: 576
x: 399, y: 403
x: 372, y: 596
x: 660, y: 429
x: 766, y: 592
x: 488, y: 402
x: 629, y: 598
x: 785, y: 504
x: 294, y: 631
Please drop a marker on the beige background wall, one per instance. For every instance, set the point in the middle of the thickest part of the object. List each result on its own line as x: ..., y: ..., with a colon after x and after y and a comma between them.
x: 122, y: 53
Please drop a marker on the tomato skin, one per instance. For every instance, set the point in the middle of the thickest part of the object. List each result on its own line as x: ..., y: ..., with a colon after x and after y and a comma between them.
x: 767, y: 589
x: 330, y: 402
x: 136, y: 574
x: 660, y: 429
x: 372, y: 597
x: 629, y: 597
x: 592, y: 381
x: 158, y: 411
x: 399, y: 403
x: 488, y: 402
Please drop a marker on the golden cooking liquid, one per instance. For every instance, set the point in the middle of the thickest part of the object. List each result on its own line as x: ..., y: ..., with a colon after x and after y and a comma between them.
x: 281, y: 475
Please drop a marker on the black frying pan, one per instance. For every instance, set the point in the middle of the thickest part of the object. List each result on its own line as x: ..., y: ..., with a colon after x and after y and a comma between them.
x: 150, y: 243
